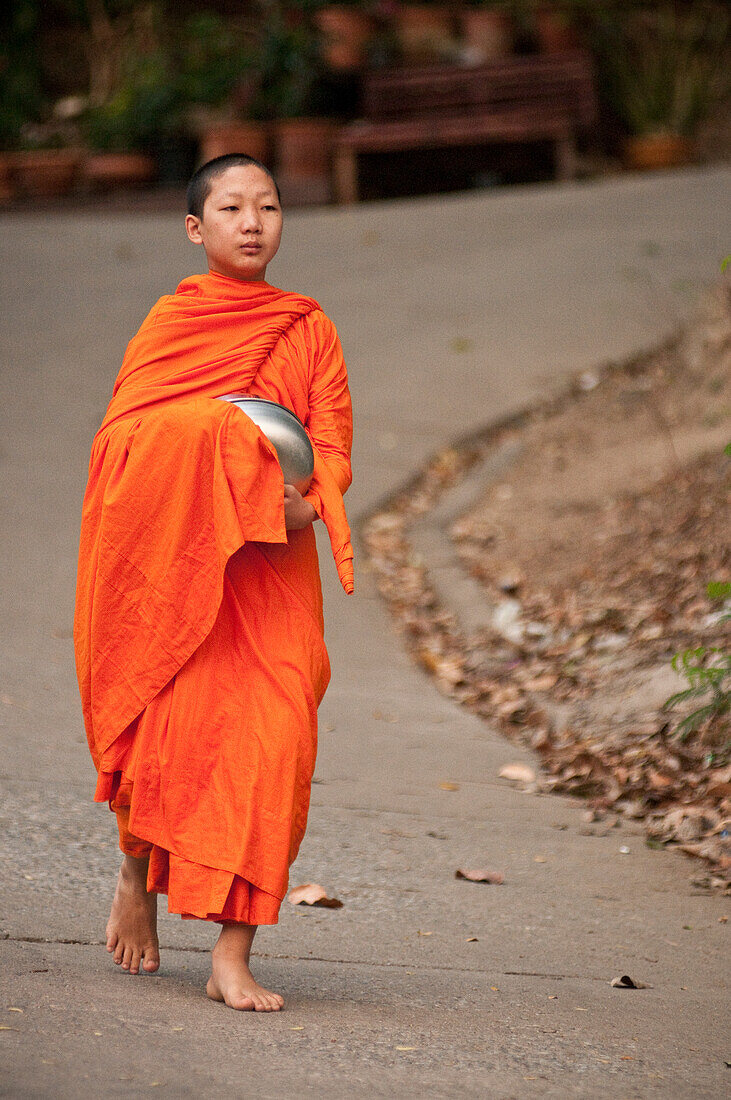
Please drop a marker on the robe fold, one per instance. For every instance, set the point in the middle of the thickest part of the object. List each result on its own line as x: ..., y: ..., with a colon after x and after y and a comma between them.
x: 198, y: 626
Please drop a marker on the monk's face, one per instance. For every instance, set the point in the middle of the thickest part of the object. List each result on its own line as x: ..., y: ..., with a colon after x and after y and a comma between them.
x: 241, y: 225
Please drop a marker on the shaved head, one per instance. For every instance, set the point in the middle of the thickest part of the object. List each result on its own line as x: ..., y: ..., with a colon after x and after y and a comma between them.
x: 199, y: 187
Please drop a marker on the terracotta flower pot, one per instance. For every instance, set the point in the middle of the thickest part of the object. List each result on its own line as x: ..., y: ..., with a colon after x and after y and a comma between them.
x: 45, y: 172
x: 234, y: 137
x: 488, y: 33
x: 304, y: 147
x: 662, y: 150
x: 7, y: 188
x: 110, y: 170
x: 422, y: 31
x: 346, y: 32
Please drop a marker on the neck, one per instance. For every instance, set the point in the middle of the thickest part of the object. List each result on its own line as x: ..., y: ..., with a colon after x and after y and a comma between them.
x: 259, y: 278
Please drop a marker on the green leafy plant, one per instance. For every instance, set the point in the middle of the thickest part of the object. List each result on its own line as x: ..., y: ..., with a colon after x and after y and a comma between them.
x: 290, y: 61
x: 708, y: 671
x: 146, y: 106
x: 662, y: 68
x: 215, y: 60
x: 21, y: 92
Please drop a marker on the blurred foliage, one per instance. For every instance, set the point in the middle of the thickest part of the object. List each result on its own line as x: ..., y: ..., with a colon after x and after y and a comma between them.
x: 212, y: 54
x: 144, y: 67
x: 663, y: 66
x: 146, y: 106
x: 203, y: 61
x: 21, y: 95
x: 289, y: 60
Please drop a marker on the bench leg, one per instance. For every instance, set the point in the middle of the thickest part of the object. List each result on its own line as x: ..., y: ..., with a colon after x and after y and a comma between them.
x: 346, y: 176
x: 566, y: 162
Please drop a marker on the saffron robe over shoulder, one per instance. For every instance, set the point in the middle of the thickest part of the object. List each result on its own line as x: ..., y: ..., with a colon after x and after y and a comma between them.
x: 198, y: 628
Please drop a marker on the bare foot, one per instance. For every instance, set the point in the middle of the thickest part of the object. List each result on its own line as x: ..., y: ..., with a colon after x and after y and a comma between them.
x: 231, y: 980
x: 132, y: 924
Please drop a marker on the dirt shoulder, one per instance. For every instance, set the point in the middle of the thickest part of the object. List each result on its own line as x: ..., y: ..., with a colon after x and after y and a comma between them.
x: 593, y: 551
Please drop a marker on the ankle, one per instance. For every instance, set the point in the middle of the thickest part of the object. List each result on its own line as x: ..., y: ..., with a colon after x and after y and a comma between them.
x: 235, y: 942
x: 134, y: 870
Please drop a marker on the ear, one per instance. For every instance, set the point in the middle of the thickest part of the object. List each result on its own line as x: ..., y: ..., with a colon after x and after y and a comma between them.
x: 192, y: 228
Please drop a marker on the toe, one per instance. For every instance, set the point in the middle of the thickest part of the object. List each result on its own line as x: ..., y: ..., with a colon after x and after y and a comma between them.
x: 134, y: 963
x: 118, y: 953
x: 126, y: 958
x: 151, y: 962
x: 112, y: 939
x: 243, y: 1004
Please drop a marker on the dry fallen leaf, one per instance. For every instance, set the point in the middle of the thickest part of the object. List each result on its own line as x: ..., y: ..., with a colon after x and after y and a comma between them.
x: 628, y: 582
x: 517, y: 773
x: 420, y: 933
x: 472, y: 939
x: 447, y: 786
x: 311, y: 893
x: 493, y: 878
x: 541, y: 683
x: 625, y: 982
x: 407, y: 1048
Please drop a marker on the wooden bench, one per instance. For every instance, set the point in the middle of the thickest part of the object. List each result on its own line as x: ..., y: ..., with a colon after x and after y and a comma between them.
x: 519, y: 99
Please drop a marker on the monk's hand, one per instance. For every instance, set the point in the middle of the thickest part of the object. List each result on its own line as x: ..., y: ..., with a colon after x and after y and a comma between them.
x: 298, y: 512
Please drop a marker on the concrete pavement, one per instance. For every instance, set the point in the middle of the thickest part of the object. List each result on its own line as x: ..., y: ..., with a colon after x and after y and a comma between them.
x: 453, y: 312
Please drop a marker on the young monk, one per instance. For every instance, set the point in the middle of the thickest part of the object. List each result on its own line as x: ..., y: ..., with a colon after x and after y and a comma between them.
x: 198, y: 630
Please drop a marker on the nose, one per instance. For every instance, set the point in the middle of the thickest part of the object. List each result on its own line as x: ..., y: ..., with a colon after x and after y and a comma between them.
x: 250, y: 222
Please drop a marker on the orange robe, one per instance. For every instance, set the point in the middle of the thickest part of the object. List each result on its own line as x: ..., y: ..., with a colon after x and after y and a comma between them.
x: 198, y: 627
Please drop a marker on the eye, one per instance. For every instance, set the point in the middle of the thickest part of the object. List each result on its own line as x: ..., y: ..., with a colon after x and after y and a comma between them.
x: 270, y: 207
x: 230, y: 208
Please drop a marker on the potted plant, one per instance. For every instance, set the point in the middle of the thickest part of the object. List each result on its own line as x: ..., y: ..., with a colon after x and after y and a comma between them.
x: 136, y: 125
x: 661, y: 72
x: 34, y: 148
x: 488, y: 29
x: 291, y: 63
x: 218, y: 73
x: 119, y: 143
x: 47, y: 162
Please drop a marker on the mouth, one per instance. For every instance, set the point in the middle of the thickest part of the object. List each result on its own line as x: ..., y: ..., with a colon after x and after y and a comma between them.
x: 250, y: 246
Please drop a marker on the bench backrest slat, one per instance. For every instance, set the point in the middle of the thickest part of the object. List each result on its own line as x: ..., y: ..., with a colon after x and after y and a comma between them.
x: 562, y: 82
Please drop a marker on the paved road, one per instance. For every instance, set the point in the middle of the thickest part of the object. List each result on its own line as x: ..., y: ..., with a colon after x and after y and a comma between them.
x: 453, y: 312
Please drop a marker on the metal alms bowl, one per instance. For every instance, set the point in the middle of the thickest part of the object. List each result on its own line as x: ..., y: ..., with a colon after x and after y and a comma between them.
x: 285, y: 432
